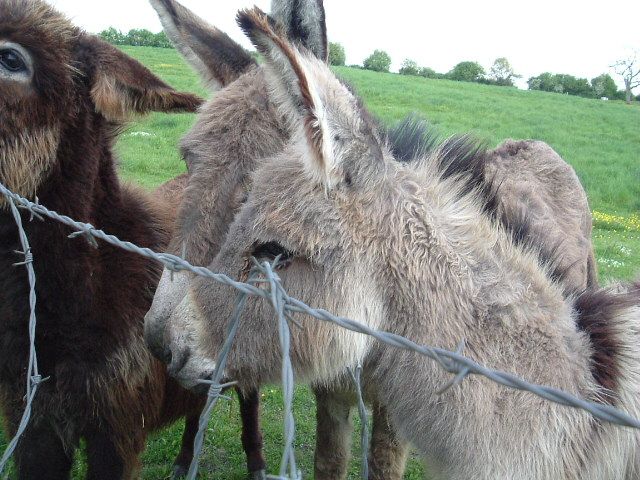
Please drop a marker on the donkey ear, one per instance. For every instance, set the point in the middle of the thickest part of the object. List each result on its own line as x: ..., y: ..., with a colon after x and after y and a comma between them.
x: 305, y: 23
x: 294, y: 80
x: 218, y: 59
x: 121, y: 86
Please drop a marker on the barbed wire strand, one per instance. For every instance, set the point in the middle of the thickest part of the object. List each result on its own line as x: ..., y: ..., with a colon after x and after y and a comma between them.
x: 277, y: 300
x: 450, y: 361
x: 215, y: 389
x: 33, y: 377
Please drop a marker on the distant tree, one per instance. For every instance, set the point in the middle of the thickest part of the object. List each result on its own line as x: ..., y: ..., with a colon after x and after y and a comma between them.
x: 561, y: 83
x: 378, y: 61
x: 604, y: 86
x: 629, y: 69
x: 620, y: 95
x: 427, y: 72
x: 161, y: 40
x: 466, y: 72
x: 113, y: 36
x: 136, y: 37
x: 575, y: 86
x: 409, y: 67
x: 502, y: 73
x: 545, y: 82
x: 337, y: 55
x: 140, y: 37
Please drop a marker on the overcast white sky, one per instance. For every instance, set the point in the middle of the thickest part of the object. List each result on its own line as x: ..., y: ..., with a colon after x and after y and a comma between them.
x: 560, y: 36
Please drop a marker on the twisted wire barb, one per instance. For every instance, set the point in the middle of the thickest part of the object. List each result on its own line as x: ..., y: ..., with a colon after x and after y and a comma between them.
x: 452, y: 362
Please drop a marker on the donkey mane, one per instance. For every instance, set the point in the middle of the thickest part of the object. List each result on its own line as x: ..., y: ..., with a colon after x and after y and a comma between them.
x: 465, y: 158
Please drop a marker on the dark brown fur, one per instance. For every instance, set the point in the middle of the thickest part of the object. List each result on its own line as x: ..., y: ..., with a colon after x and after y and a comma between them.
x: 596, y: 309
x: 102, y: 384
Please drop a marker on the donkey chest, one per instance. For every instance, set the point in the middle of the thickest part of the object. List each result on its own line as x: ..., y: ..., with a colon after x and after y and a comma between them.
x: 79, y: 317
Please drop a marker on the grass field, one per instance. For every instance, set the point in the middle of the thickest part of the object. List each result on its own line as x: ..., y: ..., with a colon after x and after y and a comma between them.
x: 600, y: 139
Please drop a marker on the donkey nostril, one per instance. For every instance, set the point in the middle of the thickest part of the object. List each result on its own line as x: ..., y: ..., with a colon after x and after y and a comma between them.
x: 178, y: 361
x: 166, y: 355
x: 161, y: 352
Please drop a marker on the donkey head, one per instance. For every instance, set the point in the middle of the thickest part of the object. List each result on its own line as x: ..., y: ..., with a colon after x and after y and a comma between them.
x: 235, y: 129
x: 56, y: 81
x: 306, y: 204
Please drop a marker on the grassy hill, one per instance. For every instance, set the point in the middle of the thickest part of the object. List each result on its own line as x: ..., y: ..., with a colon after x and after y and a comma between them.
x: 600, y: 139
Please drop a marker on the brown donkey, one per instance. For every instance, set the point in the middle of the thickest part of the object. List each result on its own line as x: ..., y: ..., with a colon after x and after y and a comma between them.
x: 533, y: 178
x: 417, y: 250
x: 64, y: 95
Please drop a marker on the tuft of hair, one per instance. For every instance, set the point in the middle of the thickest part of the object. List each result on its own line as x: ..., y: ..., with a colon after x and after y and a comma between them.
x: 411, y: 138
x: 460, y: 156
x: 596, y: 308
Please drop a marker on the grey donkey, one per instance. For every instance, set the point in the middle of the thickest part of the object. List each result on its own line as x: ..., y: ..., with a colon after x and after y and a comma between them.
x: 416, y: 249
x: 236, y: 128
x: 534, y: 179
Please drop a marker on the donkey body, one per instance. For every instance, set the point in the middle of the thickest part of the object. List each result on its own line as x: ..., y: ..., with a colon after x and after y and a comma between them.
x: 60, y: 111
x: 240, y: 126
x: 418, y: 250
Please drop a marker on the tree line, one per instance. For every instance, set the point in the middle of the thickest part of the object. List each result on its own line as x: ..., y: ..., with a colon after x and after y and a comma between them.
x: 138, y: 37
x: 502, y: 74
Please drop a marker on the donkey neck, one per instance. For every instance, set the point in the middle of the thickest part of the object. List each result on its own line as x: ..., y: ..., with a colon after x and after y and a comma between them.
x: 452, y: 274
x: 446, y: 259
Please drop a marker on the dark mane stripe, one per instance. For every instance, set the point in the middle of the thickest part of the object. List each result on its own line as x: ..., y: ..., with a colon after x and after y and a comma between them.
x: 412, y: 138
x: 596, y: 309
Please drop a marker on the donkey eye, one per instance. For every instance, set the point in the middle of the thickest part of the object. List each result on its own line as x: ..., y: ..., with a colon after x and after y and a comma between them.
x: 337, y: 138
x: 12, y: 61
x: 348, y: 180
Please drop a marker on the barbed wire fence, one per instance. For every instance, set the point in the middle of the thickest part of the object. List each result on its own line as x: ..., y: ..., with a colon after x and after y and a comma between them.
x: 453, y: 362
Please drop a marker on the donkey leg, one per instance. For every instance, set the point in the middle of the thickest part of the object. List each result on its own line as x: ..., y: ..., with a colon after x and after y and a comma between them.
x: 41, y: 455
x: 184, y: 458
x: 252, y: 434
x: 333, y: 434
x: 388, y: 453
x: 105, y: 460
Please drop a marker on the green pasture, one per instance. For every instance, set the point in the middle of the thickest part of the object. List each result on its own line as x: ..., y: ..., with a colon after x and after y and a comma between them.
x: 601, y: 140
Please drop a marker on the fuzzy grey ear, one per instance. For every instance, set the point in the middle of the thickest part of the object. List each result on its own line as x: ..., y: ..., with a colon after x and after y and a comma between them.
x: 305, y: 23
x: 122, y: 86
x: 218, y: 59
x: 296, y: 81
